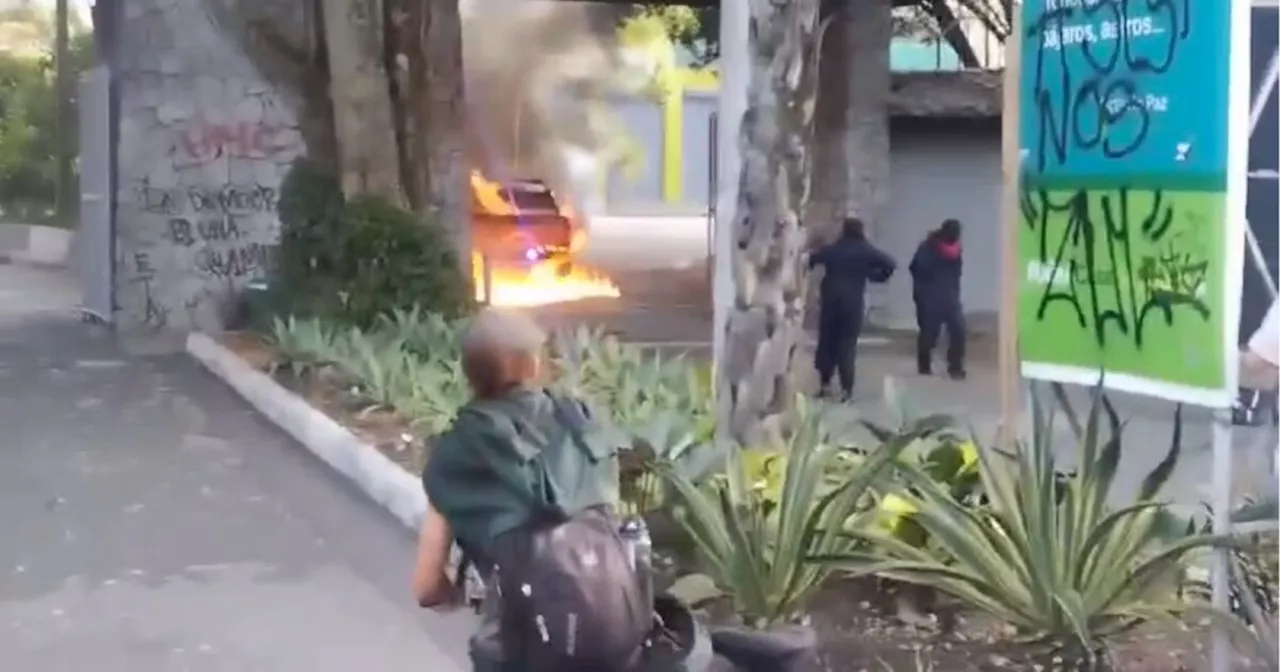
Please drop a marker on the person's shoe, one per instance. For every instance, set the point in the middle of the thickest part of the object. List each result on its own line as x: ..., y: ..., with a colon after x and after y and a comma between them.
x: 924, y: 369
x: 957, y: 374
x: 846, y: 396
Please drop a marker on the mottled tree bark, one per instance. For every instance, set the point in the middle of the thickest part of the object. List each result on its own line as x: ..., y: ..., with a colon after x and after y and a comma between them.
x: 368, y: 156
x: 871, y: 30
x: 769, y: 236
x: 435, y: 110
x: 829, y: 197
x: 827, y: 201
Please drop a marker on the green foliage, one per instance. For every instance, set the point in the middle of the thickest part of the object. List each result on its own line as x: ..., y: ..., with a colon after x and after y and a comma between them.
x: 29, y: 137
x: 311, y: 209
x: 755, y: 540
x: 1253, y: 573
x: 361, y: 260
x: 390, y: 260
x: 661, y: 407
x: 697, y: 30
x: 1063, y: 567
x: 378, y: 366
x: 949, y: 459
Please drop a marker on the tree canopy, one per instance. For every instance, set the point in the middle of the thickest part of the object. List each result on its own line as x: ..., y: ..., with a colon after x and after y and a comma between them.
x: 28, y: 113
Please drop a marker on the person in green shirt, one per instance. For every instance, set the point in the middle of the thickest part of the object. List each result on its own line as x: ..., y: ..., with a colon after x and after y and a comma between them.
x: 513, y: 432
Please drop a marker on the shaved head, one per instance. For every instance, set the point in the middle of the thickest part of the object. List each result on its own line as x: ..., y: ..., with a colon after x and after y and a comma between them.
x: 501, y: 349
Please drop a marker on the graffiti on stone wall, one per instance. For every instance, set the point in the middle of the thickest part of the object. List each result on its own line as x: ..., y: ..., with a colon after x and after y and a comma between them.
x: 206, y: 142
x: 205, y: 243
x: 154, y: 313
x: 198, y: 191
x: 216, y: 226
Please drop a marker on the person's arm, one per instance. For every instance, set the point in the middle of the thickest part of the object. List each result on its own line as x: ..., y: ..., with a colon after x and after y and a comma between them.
x: 921, y: 265
x: 432, y: 586
x: 819, y: 256
x: 1260, y: 360
x: 885, y: 264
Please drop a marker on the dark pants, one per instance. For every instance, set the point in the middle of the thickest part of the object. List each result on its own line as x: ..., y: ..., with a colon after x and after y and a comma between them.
x: 838, y: 328
x: 931, y: 318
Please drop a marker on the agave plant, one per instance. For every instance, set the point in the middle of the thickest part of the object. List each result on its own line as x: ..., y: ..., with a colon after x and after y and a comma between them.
x: 756, y: 545
x: 430, y: 336
x: 1063, y: 567
x: 382, y: 370
x: 1258, y: 613
x: 302, y: 344
x: 1252, y: 575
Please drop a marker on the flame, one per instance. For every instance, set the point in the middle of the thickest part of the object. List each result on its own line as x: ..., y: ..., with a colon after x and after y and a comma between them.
x: 555, y: 280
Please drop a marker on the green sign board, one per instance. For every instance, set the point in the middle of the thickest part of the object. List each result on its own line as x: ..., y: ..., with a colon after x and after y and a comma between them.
x: 1133, y: 121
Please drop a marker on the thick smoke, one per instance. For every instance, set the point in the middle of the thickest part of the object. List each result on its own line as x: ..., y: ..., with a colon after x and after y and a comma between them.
x: 537, y: 75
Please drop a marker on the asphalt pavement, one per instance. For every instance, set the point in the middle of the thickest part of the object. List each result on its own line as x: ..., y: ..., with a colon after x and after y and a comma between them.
x: 152, y: 522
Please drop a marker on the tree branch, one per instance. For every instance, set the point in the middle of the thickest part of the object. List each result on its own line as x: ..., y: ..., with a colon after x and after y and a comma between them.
x: 951, y: 31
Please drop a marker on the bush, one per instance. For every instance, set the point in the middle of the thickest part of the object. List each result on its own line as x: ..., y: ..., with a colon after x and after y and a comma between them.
x: 360, y: 260
x: 390, y: 260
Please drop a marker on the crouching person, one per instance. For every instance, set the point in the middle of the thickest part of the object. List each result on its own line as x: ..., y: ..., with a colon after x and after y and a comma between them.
x: 525, y: 482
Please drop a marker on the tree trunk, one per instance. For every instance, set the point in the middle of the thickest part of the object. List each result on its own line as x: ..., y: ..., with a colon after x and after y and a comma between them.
x: 434, y: 107
x: 769, y: 261
x: 368, y: 156
x: 871, y: 29
x: 828, y: 199
x: 869, y: 75
x: 831, y: 127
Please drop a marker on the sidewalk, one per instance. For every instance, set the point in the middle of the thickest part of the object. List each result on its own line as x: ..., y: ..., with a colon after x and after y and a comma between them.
x: 153, y: 523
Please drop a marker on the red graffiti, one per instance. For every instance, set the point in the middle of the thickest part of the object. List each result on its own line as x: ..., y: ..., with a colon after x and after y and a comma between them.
x: 243, y: 140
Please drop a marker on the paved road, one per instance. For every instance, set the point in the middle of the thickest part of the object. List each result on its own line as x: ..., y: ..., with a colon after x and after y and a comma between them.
x: 152, y: 522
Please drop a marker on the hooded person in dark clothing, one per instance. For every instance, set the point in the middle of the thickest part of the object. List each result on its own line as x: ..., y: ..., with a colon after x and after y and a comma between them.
x: 848, y: 265
x: 935, y: 276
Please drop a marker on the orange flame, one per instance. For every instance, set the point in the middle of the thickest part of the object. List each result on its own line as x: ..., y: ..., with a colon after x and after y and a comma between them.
x: 555, y: 280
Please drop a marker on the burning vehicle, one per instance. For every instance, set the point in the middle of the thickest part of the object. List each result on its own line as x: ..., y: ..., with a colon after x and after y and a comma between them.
x: 524, y: 239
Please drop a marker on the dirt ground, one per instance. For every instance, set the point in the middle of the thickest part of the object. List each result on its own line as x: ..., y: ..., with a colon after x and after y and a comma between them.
x: 858, y: 630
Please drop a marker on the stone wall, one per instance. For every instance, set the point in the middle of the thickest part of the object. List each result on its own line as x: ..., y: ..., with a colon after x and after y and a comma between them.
x: 204, y: 144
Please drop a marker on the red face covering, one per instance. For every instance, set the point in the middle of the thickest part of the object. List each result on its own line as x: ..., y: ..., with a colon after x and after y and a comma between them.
x: 949, y: 250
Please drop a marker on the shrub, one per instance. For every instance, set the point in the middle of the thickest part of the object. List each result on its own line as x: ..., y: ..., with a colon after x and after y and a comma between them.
x: 756, y: 541
x: 311, y: 210
x: 358, y: 261
x: 1048, y: 555
x: 390, y: 260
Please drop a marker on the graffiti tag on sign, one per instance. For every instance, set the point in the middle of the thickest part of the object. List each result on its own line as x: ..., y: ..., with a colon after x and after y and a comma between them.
x: 1122, y: 245
x: 1122, y: 79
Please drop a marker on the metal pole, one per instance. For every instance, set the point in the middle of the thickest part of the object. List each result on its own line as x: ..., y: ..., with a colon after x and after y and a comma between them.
x: 486, y: 279
x: 1011, y: 167
x: 65, y: 197
x: 1220, y: 567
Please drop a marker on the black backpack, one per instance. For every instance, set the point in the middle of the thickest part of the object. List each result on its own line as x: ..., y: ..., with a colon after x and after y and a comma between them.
x: 570, y: 599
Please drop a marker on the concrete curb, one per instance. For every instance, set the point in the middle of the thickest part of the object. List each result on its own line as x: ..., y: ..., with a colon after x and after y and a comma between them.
x: 384, y: 481
x: 36, y: 244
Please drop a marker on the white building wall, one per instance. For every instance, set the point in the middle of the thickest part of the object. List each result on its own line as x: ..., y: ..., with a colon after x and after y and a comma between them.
x: 937, y: 175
